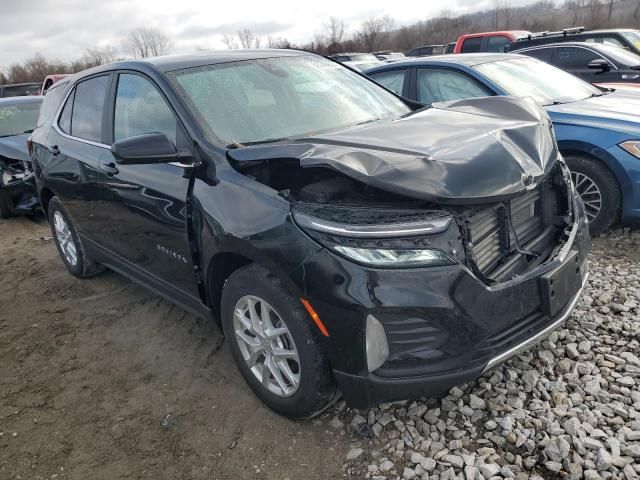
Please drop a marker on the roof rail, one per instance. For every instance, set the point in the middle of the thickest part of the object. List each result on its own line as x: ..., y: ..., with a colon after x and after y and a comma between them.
x: 563, y: 32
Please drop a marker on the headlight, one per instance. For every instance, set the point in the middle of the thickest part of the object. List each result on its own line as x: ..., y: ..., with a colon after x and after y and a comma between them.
x: 380, y: 257
x: 384, y: 238
x: 633, y: 147
x: 436, y: 224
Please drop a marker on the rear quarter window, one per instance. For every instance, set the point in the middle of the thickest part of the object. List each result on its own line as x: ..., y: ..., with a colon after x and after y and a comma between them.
x: 50, y: 105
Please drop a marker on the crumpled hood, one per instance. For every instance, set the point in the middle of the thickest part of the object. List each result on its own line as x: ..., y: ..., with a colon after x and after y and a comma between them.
x: 619, y: 110
x: 465, y: 151
x: 14, y: 147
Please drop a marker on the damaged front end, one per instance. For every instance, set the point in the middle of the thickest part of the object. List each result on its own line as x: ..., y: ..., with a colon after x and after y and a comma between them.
x: 17, y: 182
x: 17, y: 189
x: 452, y: 238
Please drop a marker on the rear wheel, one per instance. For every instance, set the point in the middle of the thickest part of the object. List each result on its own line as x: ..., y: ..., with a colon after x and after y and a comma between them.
x: 598, y: 190
x: 68, y: 243
x: 274, y: 344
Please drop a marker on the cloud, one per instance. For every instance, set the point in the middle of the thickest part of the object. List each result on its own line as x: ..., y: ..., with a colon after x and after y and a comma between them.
x: 63, y: 29
x: 258, y: 28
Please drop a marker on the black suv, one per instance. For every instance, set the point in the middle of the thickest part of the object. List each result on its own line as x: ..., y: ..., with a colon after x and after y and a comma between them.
x: 623, y: 38
x: 347, y: 240
x: 591, y: 62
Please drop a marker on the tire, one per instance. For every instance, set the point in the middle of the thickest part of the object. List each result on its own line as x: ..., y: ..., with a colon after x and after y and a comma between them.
x: 585, y: 170
x: 316, y: 389
x: 70, y: 247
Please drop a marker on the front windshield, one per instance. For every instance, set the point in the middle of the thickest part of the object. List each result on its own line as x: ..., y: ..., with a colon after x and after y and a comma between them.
x: 18, y: 118
x: 621, y: 55
x: 633, y: 37
x: 528, y: 77
x: 260, y: 100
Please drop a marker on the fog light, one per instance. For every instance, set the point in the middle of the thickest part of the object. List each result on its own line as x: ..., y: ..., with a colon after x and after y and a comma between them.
x: 376, y: 344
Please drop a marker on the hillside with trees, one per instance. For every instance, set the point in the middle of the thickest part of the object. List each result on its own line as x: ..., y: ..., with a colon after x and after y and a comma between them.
x: 373, y: 34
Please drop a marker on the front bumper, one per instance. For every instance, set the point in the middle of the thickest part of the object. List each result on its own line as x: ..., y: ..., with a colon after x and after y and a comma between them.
x: 443, y: 325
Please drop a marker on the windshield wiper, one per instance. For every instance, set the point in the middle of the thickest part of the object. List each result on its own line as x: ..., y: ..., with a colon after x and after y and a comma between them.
x: 258, y: 142
x: 635, y: 67
x: 368, y: 121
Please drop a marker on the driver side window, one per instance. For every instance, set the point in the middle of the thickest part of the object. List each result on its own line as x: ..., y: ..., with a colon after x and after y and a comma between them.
x: 141, y: 109
x: 441, y: 85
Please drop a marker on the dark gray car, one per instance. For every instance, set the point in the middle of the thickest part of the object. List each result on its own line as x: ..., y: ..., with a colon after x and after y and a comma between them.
x: 594, y: 63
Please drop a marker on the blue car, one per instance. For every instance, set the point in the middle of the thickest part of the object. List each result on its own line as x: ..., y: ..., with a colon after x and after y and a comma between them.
x: 598, y: 131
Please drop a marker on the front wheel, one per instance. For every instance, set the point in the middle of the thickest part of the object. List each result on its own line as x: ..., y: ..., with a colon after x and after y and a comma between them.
x: 599, y: 191
x: 274, y: 344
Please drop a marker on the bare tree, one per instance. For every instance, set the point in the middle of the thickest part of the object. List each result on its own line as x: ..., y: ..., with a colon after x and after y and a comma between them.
x: 636, y: 12
x: 278, y: 42
x: 230, y: 42
x: 334, y: 30
x: 144, y: 42
x: 248, y: 39
x: 596, y: 13
x: 374, y: 32
x: 99, y: 56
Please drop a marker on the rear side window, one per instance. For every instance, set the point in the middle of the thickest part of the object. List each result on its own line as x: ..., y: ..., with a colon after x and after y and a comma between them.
x: 543, y: 54
x: 65, y: 117
x: 141, y: 109
x: 88, y: 107
x: 570, y: 58
x: 393, y: 80
x: 472, y: 45
x: 497, y: 43
x: 50, y: 105
x: 440, y: 85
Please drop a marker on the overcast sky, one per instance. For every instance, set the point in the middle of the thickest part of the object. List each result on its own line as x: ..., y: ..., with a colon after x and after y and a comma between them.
x: 63, y: 29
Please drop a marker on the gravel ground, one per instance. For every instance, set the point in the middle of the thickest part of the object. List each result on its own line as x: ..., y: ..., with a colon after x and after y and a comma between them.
x: 568, y: 408
x: 101, y: 379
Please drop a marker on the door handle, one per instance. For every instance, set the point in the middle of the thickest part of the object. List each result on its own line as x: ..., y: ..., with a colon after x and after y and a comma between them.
x: 55, y: 151
x: 109, y: 168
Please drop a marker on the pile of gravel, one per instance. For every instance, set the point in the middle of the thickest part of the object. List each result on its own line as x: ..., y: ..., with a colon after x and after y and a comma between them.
x: 568, y: 408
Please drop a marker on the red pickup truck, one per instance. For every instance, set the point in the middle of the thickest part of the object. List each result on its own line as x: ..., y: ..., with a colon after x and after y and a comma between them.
x: 487, y: 41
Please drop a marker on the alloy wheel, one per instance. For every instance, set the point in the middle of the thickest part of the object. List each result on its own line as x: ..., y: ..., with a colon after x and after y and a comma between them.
x: 65, y: 239
x: 589, y: 193
x: 267, y: 345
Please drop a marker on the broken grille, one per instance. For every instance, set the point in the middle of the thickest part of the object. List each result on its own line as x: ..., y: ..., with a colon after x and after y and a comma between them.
x: 489, y: 234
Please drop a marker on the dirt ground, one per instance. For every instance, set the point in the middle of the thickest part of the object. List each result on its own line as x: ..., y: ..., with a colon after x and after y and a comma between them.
x: 101, y: 379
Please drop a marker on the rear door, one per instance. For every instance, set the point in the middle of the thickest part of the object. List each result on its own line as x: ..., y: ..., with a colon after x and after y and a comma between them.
x: 75, y: 145
x: 147, y: 203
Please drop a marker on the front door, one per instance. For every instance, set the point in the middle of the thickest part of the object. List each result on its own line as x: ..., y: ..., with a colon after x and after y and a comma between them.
x: 148, y: 202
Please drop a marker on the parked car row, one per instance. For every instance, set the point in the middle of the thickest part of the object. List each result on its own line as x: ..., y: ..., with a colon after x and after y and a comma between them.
x: 350, y: 240
x: 598, y: 131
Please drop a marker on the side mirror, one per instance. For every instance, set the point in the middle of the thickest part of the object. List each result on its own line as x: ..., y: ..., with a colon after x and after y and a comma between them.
x: 600, y: 64
x: 147, y: 148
